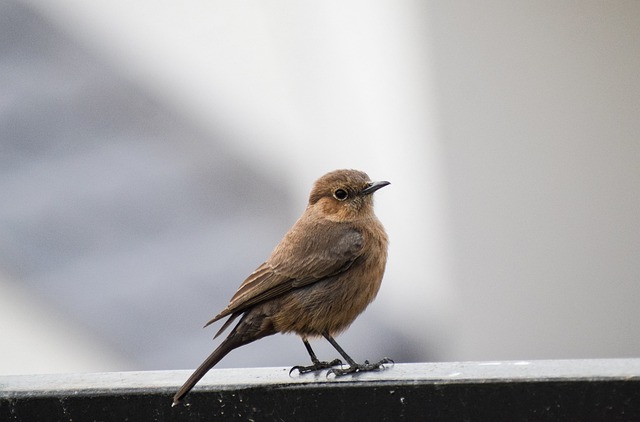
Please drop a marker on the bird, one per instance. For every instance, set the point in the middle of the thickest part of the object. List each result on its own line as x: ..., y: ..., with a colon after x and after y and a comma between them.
x: 324, y: 272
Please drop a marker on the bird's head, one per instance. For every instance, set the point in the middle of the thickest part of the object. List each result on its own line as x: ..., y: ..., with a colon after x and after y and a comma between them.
x: 344, y: 195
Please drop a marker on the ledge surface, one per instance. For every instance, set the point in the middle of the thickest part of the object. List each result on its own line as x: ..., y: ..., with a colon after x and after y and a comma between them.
x: 523, y: 390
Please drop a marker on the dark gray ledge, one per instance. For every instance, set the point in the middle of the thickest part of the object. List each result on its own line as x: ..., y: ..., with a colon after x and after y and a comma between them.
x: 580, y: 390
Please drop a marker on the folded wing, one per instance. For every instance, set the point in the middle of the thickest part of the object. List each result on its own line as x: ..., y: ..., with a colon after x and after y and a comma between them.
x: 295, y: 265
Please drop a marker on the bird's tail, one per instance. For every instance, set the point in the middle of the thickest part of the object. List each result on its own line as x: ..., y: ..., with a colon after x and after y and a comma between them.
x: 250, y: 328
x: 221, y: 351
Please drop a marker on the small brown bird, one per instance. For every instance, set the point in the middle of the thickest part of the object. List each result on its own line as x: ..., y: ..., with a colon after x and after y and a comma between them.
x: 320, y: 277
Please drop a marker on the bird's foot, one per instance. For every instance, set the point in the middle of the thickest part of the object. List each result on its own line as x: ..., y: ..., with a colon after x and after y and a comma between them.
x: 360, y: 367
x: 317, y: 366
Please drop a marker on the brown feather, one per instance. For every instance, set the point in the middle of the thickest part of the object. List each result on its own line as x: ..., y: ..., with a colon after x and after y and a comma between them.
x: 323, y: 257
x: 320, y: 277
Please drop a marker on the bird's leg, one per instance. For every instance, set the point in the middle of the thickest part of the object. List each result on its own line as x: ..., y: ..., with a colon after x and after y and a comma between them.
x: 353, y: 366
x: 317, y: 365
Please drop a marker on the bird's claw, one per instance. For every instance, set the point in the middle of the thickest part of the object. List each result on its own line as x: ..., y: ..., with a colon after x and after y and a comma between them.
x: 317, y: 366
x: 360, y: 367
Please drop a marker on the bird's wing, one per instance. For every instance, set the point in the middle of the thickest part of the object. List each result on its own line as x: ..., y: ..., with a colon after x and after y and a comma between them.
x: 298, y: 261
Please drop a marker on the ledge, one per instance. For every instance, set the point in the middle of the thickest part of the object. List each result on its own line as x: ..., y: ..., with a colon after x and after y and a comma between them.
x: 607, y: 389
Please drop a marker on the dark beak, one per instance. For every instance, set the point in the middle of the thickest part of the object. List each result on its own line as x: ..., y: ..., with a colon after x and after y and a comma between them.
x: 374, y: 186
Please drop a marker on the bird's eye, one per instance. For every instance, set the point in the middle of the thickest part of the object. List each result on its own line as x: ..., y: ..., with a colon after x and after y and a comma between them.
x: 340, y: 194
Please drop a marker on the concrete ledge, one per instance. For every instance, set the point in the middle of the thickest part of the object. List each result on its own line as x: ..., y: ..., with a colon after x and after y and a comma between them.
x: 578, y: 390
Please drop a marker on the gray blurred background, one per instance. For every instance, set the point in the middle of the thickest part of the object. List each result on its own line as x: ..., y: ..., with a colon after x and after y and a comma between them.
x: 153, y: 153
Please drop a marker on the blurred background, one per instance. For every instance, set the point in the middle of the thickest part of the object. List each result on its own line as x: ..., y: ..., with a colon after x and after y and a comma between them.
x: 153, y: 153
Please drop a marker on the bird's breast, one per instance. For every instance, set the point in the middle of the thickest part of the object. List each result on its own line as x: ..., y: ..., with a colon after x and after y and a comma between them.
x: 332, y: 304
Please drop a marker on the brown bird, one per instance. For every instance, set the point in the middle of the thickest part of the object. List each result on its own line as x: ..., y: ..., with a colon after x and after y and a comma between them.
x: 320, y: 277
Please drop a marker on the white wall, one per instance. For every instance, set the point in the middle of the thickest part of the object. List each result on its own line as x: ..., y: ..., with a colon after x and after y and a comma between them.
x: 509, y: 133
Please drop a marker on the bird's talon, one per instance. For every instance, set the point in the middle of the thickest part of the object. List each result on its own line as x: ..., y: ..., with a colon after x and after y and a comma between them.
x: 365, y: 367
x: 317, y: 366
x: 298, y: 367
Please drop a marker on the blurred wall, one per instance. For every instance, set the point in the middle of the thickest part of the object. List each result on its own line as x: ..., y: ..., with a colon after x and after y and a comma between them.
x: 540, y: 107
x: 509, y: 133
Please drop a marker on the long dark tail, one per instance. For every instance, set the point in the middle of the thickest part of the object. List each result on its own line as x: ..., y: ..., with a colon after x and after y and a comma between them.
x: 250, y: 328
x: 225, y: 347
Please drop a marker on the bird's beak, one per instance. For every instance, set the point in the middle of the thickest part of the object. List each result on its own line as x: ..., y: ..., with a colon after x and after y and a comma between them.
x: 374, y: 186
